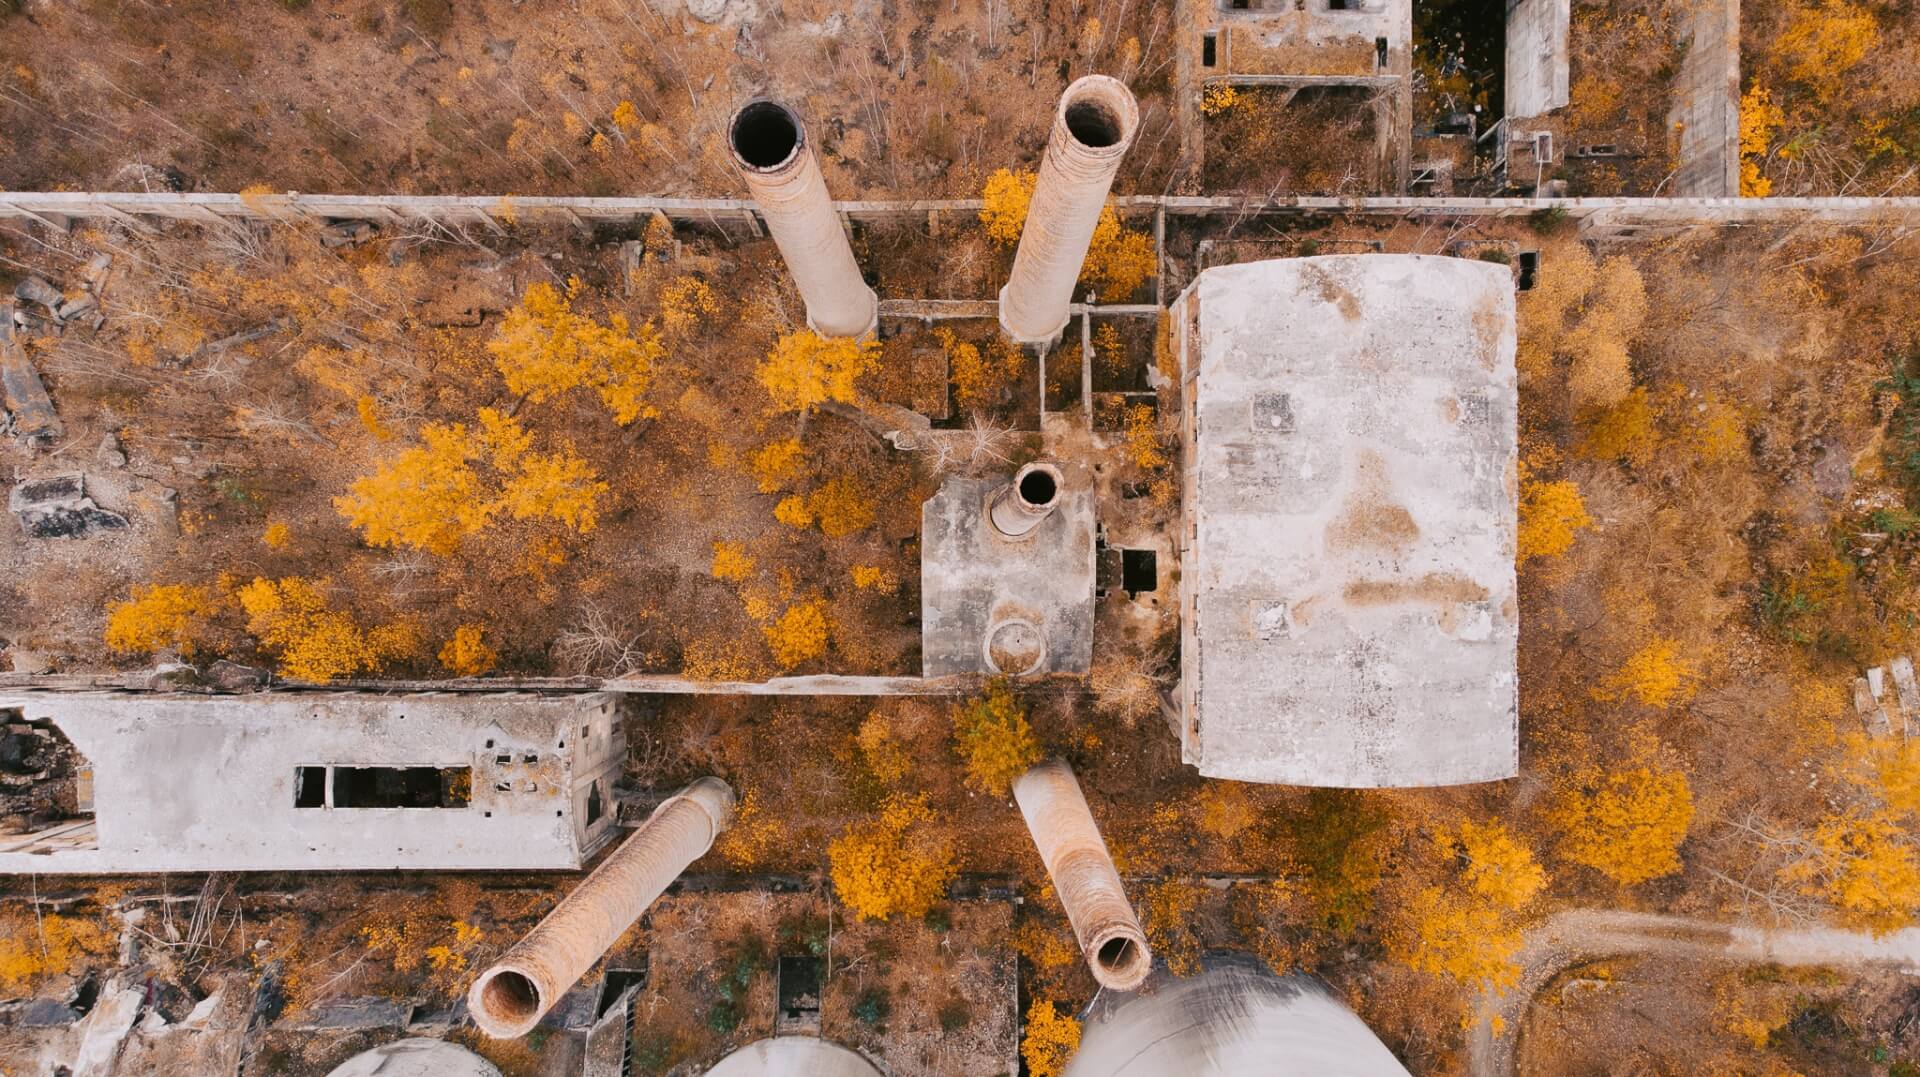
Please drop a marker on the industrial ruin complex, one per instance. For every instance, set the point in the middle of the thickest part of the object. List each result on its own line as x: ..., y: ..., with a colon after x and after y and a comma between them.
x: 1339, y: 559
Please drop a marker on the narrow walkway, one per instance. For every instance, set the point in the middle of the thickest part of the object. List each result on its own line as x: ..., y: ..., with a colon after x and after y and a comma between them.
x: 1706, y: 104
x: 1579, y: 935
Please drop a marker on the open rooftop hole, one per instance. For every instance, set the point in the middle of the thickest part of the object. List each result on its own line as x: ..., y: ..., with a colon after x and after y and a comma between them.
x: 765, y: 134
x: 1139, y: 571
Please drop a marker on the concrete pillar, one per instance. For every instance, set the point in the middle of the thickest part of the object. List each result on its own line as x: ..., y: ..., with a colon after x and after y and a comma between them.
x: 1083, y: 875
x: 512, y: 995
x: 1092, y: 129
x: 1030, y: 498
x: 770, y: 149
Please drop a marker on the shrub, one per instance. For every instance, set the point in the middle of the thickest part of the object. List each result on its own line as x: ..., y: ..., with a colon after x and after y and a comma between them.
x: 995, y: 742
x: 1051, y: 1039
x: 898, y: 862
x: 466, y: 653
x: 160, y: 616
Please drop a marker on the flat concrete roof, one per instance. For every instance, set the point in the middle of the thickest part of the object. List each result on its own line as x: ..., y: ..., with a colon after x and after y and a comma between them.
x: 1349, y: 615
x: 974, y: 580
x: 208, y: 783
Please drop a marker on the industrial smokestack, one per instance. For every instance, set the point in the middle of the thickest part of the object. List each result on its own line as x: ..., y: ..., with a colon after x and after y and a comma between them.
x: 770, y: 149
x: 1030, y: 498
x: 512, y: 995
x: 1083, y: 875
x: 1092, y: 129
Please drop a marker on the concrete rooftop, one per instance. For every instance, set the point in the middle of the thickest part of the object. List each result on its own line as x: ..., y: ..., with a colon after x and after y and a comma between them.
x: 1348, y: 570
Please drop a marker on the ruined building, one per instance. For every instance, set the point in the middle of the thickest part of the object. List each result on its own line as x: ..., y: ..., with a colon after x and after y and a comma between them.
x: 98, y: 782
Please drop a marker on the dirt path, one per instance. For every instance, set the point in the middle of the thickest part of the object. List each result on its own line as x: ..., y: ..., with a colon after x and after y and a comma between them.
x: 1578, y: 935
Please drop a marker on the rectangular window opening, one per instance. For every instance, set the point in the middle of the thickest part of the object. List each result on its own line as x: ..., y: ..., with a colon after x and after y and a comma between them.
x: 1380, y: 52
x: 310, y: 787
x: 1209, y: 46
x: 402, y: 787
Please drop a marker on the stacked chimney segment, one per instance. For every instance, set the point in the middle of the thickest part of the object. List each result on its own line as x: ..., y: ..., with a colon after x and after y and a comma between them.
x: 1092, y: 129
x: 771, y: 151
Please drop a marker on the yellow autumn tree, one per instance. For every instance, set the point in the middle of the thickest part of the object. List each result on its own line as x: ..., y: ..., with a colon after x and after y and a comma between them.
x: 731, y: 562
x: 995, y: 742
x: 160, y: 616
x: 1655, y: 675
x: 315, y: 642
x: 1551, y: 513
x: 841, y: 506
x: 458, y: 479
x: 1467, y: 927
x: 1626, y: 823
x: 896, y: 863
x: 467, y: 653
x: 777, y: 464
x: 805, y: 369
x: 1005, y: 199
x: 1760, y: 117
x: 1823, y: 41
x: 1118, y: 260
x: 685, y: 303
x: 979, y: 378
x: 544, y: 348
x: 1588, y: 313
x: 881, y: 748
x: 1052, y: 1038
x: 801, y: 633
x: 1866, y: 868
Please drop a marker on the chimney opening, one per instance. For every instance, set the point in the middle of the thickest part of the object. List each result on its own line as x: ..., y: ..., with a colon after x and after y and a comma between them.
x: 1093, y: 124
x: 510, y: 998
x: 1037, y: 488
x: 1117, y: 954
x: 765, y: 134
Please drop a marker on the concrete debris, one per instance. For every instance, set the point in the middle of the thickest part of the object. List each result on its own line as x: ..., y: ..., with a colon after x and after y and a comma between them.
x: 31, y: 663
x: 34, y: 421
x: 94, y: 277
x: 104, y: 1029
x: 36, y: 290
x: 58, y: 507
x: 347, y: 233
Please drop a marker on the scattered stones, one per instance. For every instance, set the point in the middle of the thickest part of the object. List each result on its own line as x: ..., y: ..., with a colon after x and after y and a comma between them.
x: 36, y: 290
x: 33, y: 419
x: 228, y: 676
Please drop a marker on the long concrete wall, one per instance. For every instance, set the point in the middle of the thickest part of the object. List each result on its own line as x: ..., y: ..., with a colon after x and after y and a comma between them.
x: 59, y: 208
x: 1706, y: 103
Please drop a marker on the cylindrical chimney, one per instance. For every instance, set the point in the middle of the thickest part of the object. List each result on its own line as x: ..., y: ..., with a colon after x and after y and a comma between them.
x: 1092, y: 129
x: 1083, y: 875
x: 770, y: 149
x: 512, y: 995
x: 1030, y: 498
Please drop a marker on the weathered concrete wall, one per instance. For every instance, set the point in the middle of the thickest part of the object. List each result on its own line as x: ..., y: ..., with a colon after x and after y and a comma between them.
x: 1349, y: 592
x: 793, y: 1056
x: 1706, y: 103
x: 1083, y: 875
x: 1539, y: 66
x: 207, y: 783
x: 137, y: 209
x: 509, y: 998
